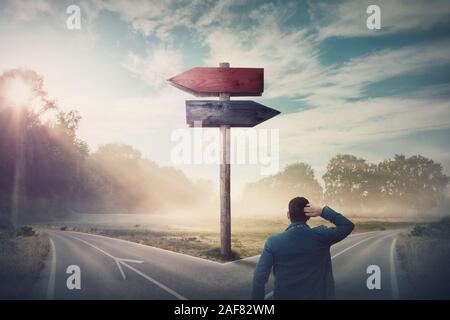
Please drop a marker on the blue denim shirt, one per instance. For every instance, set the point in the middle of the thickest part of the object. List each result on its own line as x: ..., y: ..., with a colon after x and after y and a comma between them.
x: 300, y: 259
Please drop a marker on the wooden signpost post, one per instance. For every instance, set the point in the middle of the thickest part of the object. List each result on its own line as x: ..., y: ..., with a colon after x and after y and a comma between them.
x: 224, y: 82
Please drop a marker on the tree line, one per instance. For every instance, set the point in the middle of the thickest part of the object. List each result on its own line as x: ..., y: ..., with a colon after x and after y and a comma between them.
x: 47, y: 171
x: 400, y: 185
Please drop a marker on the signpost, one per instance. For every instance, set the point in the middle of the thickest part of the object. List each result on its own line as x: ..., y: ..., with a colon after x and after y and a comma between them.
x: 237, y: 113
x: 210, y: 82
x: 224, y: 82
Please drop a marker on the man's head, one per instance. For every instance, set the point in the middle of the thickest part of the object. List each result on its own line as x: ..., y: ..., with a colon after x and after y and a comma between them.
x: 296, y: 211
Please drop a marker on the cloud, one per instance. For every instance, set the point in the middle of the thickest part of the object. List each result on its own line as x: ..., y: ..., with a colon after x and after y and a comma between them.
x: 219, y: 10
x: 161, y: 17
x: 350, y: 79
x: 348, y: 18
x: 156, y: 67
x: 156, y: 17
x: 27, y: 10
x: 291, y: 59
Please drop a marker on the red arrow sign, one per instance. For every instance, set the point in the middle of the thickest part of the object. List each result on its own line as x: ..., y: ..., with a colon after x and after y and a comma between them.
x: 205, y: 82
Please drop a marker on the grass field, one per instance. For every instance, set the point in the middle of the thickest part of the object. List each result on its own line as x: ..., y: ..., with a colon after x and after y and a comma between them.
x: 248, y: 234
x: 22, y: 259
x: 425, y: 255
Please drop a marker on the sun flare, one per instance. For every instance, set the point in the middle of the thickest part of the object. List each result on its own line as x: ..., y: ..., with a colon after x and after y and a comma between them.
x: 18, y: 93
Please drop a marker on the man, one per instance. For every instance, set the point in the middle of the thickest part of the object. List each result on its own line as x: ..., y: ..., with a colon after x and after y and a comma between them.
x: 300, y: 256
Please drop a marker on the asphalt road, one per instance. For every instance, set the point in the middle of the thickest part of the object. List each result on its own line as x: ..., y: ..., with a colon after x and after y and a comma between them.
x: 117, y: 269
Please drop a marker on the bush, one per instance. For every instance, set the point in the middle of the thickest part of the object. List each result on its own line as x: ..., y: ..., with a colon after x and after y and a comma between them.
x: 440, y: 229
x: 418, y: 231
x: 25, y: 231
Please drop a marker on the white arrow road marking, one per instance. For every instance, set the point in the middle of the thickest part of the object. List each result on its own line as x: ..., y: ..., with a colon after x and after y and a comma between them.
x: 118, y: 261
x: 121, y: 261
x: 270, y: 294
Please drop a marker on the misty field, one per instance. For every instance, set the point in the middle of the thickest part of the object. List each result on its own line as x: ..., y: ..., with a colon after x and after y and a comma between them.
x: 197, y: 237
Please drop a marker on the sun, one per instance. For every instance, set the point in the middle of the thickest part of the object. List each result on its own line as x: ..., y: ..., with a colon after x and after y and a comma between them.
x: 18, y: 93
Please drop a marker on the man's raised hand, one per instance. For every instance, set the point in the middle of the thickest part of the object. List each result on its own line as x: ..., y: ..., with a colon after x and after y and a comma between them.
x: 312, y: 210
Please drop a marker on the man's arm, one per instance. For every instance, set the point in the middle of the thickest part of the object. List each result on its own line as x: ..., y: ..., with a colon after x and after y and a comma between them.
x: 332, y: 235
x: 262, y: 273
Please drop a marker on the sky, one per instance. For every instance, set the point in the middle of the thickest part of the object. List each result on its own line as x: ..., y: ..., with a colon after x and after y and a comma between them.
x: 340, y: 87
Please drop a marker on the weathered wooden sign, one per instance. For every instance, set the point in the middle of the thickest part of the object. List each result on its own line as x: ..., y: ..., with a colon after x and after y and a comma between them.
x: 224, y: 82
x: 237, y: 113
x: 204, y: 82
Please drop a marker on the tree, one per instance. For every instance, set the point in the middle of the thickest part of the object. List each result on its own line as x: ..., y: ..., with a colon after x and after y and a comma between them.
x: 271, y: 195
x: 40, y: 156
x: 348, y: 181
x: 415, y: 182
x: 393, y: 185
